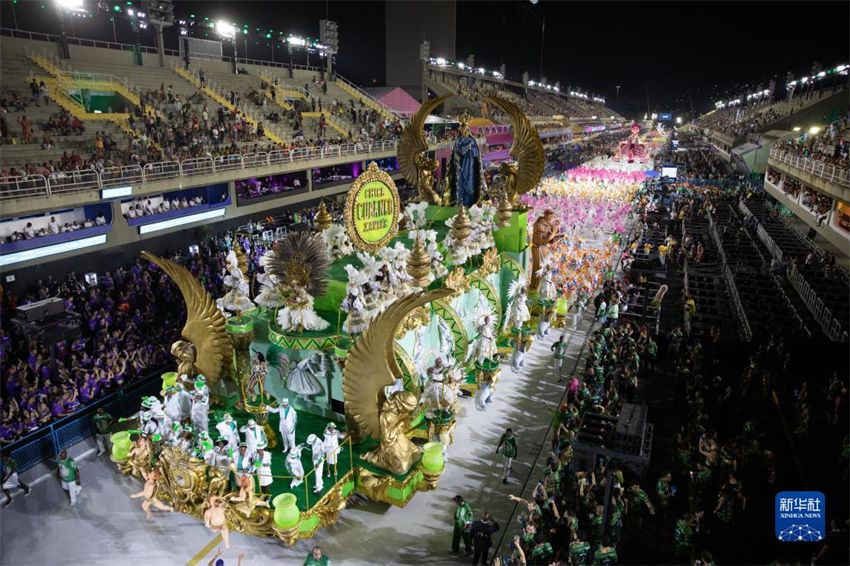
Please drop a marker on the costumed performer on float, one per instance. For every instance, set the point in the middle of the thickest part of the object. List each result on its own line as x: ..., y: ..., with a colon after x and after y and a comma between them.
x: 270, y: 295
x: 300, y: 262
x: 294, y: 465
x: 255, y: 437
x: 288, y: 421
x: 353, y: 304
x: 518, y: 313
x: 484, y: 347
x: 236, y: 300
x: 331, y: 438
x: 317, y: 447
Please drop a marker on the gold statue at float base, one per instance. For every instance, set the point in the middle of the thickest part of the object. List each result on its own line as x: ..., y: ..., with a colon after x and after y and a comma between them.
x: 206, y: 348
x: 413, y: 161
x: 371, y: 367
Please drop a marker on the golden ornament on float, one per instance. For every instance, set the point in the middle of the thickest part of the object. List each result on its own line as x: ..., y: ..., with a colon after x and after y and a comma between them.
x: 419, y: 265
x: 323, y: 218
x: 504, y: 212
x: 461, y: 227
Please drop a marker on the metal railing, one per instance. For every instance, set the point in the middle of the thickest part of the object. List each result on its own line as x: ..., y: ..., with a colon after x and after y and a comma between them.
x: 830, y: 325
x: 89, y: 179
x: 50, y: 439
x: 686, y: 315
x: 824, y: 317
x: 777, y: 283
x: 819, y: 169
x: 729, y: 278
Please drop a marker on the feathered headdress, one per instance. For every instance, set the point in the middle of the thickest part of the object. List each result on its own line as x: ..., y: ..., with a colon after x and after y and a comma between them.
x: 517, y: 285
x: 299, y: 260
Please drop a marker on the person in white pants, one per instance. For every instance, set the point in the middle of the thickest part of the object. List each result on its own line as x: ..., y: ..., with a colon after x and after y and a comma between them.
x: 263, y: 465
x: 288, y: 421
x: 317, y: 445
x: 69, y: 475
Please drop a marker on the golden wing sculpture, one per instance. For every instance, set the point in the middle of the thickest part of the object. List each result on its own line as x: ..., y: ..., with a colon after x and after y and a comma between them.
x: 205, y: 324
x: 418, y: 171
x: 527, y: 149
x: 371, y: 365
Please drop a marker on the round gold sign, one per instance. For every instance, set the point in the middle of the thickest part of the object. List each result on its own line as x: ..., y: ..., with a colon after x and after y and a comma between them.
x: 372, y: 208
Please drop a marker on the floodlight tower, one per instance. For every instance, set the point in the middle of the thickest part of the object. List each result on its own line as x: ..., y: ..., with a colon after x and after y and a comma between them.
x: 424, y: 58
x: 228, y: 32
x: 329, y: 36
x: 161, y: 15
x: 63, y: 6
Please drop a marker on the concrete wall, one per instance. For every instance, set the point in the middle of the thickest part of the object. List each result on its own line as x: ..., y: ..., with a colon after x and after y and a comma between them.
x: 407, y: 25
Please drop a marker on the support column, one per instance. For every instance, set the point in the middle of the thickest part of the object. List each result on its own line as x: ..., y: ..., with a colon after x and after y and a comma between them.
x: 160, y: 45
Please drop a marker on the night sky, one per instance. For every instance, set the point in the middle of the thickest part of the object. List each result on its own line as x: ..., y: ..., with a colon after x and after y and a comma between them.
x: 666, y: 50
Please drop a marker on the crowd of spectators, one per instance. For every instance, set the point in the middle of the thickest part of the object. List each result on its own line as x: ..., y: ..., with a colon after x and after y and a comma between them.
x: 563, y: 521
x: 830, y: 146
x: 145, y: 207
x: 739, y: 120
x: 695, y: 162
x: 128, y: 321
x: 50, y: 228
x: 818, y: 203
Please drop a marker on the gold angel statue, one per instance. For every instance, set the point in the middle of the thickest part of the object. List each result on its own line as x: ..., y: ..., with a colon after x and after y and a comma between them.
x: 206, y: 348
x: 527, y: 150
x: 370, y: 367
x: 413, y: 161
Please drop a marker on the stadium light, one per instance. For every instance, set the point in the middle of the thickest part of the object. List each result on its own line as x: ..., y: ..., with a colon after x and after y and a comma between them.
x: 295, y: 41
x: 130, y: 12
x: 678, y: 119
x: 225, y: 29
x: 796, y: 128
x: 441, y: 61
x: 461, y: 66
x: 72, y: 5
x: 814, y: 130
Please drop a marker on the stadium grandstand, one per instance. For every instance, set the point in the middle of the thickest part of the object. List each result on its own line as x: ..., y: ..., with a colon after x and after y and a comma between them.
x: 268, y: 297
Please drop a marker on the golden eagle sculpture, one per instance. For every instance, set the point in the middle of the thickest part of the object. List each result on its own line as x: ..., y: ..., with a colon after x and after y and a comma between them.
x: 206, y: 348
x: 413, y: 162
x: 526, y: 149
x: 369, y: 368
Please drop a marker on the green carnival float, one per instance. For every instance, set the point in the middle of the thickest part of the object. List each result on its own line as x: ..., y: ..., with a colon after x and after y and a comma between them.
x: 344, y: 373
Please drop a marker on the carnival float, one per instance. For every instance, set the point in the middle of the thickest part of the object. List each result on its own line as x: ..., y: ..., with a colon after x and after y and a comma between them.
x: 344, y: 374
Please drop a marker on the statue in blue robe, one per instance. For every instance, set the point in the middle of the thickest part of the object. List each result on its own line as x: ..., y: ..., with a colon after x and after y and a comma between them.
x: 466, y: 173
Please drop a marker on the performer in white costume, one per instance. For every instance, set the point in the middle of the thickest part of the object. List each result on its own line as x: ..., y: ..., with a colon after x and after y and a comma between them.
x: 229, y: 430
x: 255, y: 437
x: 331, y: 443
x: 262, y: 462
x: 294, y: 465
x: 317, y: 446
x: 288, y: 420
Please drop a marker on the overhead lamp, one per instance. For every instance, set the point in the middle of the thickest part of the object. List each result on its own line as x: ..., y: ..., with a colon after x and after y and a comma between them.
x: 796, y: 128
x: 131, y: 12
x: 225, y: 29
x: 72, y: 5
x: 814, y: 130
x: 296, y: 41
